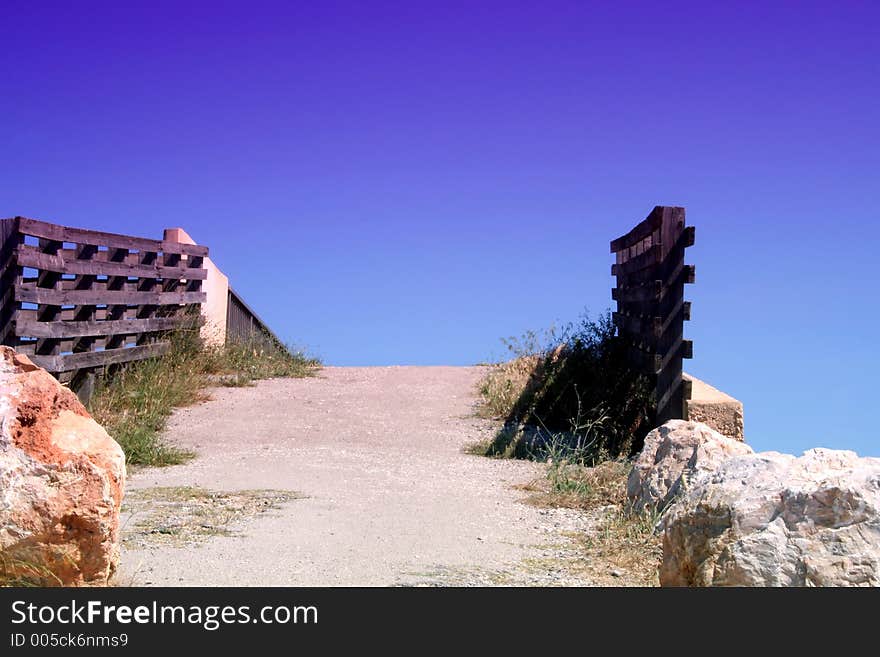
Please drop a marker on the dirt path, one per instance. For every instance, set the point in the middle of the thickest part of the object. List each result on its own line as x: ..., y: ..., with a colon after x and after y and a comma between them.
x: 368, y: 485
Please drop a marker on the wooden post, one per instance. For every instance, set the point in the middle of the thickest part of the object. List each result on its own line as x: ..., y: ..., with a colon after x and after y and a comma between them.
x: 651, y: 309
x: 10, y: 272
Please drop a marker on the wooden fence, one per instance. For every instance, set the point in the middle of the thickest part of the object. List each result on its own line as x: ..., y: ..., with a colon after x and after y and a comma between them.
x: 75, y: 300
x: 651, y: 309
x: 244, y: 326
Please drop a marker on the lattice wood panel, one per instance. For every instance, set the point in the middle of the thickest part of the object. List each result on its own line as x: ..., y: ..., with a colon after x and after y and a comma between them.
x: 75, y: 299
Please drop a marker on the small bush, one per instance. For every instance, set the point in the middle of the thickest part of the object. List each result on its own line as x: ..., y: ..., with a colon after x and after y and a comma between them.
x: 572, y: 393
x: 133, y: 402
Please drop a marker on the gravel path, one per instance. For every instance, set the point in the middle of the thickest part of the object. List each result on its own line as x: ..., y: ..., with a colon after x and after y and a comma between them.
x: 381, y: 491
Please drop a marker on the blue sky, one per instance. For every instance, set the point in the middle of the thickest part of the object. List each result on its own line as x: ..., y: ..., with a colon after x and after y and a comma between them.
x: 407, y: 183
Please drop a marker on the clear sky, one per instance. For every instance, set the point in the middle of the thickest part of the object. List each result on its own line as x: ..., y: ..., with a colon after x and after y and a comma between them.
x: 405, y: 183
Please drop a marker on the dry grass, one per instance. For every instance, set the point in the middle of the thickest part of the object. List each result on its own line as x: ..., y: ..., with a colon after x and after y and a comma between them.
x: 185, y: 515
x: 573, y: 486
x: 504, y: 384
x: 624, y: 541
x: 20, y: 570
x: 627, y: 541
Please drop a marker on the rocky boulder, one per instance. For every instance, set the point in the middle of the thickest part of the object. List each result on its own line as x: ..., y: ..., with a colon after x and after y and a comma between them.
x: 674, y: 455
x: 61, y: 482
x: 776, y: 520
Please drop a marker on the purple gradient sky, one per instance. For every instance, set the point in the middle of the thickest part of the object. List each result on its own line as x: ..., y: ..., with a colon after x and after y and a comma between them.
x: 405, y: 183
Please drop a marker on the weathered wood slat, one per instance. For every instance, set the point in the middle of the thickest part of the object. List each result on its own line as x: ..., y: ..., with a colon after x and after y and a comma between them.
x: 644, y: 229
x: 642, y: 326
x: 112, y: 240
x: 627, y: 276
x: 91, y: 252
x: 68, y: 362
x: 118, y: 284
x: 681, y: 348
x: 650, y: 292
x: 674, y: 256
x: 645, y: 342
x: 687, y: 388
x: 671, y: 388
x: 52, y: 297
x: 8, y: 227
x: 73, y: 329
x: 684, y: 275
x: 8, y: 241
x: 645, y: 332
x: 661, y: 306
x: 644, y: 360
x: 29, y: 256
x: 673, y: 395
x: 671, y: 227
x: 635, y: 278
x: 650, y: 308
x: 9, y: 238
x: 676, y: 316
x: 649, y: 258
x: 688, y: 237
x: 73, y: 314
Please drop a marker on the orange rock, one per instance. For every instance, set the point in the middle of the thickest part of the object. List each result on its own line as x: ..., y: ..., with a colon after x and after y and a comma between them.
x: 61, y: 481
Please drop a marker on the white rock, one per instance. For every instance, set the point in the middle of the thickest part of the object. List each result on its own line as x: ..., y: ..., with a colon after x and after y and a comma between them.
x: 773, y: 519
x: 674, y: 455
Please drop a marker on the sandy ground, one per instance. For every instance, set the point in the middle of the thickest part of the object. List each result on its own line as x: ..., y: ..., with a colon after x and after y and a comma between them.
x: 390, y: 497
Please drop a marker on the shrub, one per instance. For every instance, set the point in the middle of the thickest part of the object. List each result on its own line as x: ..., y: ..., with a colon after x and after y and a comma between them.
x: 574, y: 396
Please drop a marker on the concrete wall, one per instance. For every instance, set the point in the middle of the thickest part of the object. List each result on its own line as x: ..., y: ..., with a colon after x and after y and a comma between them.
x: 715, y: 408
x: 217, y: 289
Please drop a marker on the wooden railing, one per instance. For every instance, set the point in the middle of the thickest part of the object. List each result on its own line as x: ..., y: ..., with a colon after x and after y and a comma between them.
x: 651, y: 309
x: 74, y: 299
x: 244, y: 326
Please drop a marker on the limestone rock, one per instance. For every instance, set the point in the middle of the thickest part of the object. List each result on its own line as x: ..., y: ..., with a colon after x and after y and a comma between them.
x: 674, y: 455
x: 773, y: 519
x: 61, y: 481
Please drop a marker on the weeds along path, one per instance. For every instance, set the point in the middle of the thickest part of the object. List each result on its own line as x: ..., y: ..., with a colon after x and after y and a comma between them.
x: 357, y: 476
